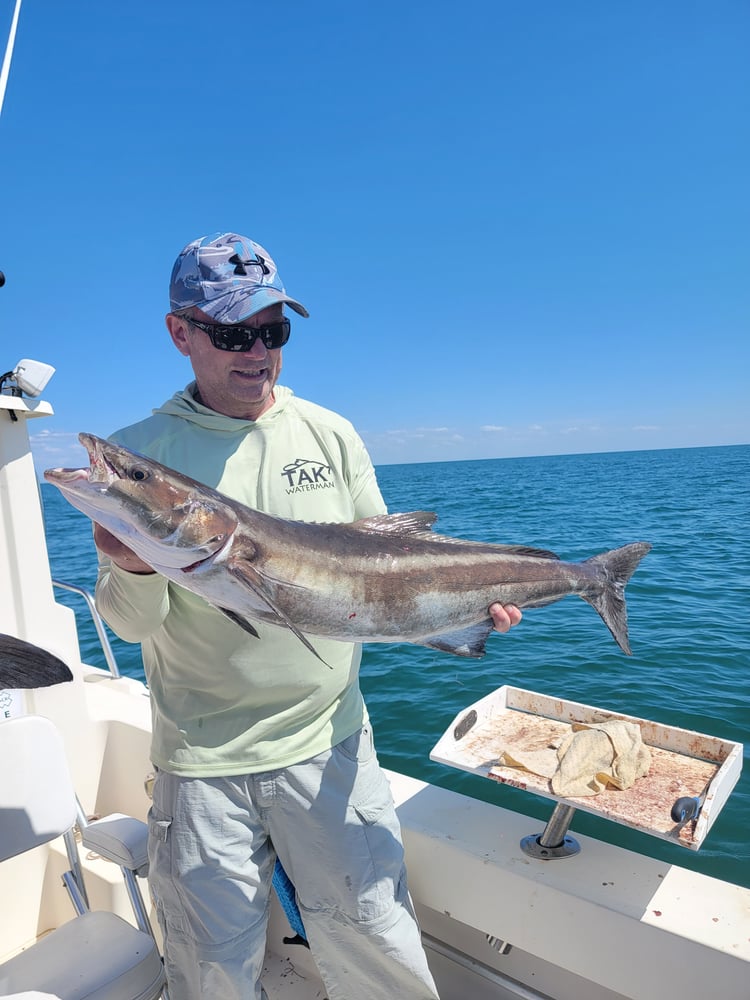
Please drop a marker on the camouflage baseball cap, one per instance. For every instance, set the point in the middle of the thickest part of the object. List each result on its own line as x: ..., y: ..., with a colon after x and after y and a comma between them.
x: 227, y: 276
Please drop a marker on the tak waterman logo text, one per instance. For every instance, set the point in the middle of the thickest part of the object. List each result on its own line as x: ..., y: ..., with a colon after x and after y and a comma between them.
x: 305, y: 474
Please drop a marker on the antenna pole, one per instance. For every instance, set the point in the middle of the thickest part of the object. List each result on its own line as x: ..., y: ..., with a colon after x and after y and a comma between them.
x: 9, y: 53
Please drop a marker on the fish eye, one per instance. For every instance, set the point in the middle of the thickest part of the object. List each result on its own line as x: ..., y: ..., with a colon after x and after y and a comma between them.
x: 139, y: 474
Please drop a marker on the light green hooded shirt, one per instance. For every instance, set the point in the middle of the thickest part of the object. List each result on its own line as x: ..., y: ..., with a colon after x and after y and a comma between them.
x: 224, y: 702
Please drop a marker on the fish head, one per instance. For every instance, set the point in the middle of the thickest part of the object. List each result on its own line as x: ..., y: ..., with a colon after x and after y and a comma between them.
x: 168, y: 519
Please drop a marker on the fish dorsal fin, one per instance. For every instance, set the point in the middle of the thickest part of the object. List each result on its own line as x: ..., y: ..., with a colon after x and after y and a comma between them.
x: 419, y: 523
x: 527, y: 550
x: 416, y: 522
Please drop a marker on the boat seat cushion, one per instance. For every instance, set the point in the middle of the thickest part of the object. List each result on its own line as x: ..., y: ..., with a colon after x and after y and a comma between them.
x: 97, y: 956
x: 121, y: 839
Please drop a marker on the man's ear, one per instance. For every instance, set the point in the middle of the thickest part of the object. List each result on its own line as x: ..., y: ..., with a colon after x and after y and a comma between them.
x: 178, y: 332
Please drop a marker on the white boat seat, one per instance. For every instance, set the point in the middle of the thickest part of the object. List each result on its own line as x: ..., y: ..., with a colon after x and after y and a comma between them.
x: 118, y: 838
x: 96, y: 955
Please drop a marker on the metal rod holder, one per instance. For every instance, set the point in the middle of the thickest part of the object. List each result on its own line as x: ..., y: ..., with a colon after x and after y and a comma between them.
x: 554, y: 841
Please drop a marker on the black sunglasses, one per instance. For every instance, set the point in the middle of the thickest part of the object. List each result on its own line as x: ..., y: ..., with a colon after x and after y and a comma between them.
x: 242, y: 338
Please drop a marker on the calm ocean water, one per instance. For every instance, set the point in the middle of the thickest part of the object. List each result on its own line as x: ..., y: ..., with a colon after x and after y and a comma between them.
x: 688, y: 614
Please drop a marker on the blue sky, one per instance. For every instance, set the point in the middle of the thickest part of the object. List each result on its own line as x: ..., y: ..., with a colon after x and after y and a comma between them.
x: 521, y: 228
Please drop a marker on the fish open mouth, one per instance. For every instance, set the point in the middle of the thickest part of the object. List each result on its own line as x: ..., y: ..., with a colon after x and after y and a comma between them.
x: 67, y: 475
x: 99, y: 470
x: 209, y: 560
x: 101, y: 467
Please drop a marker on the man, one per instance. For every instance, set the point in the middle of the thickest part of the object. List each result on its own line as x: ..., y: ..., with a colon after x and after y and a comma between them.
x: 261, y: 751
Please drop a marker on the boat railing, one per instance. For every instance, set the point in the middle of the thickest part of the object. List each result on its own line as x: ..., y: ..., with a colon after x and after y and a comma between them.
x: 109, y: 655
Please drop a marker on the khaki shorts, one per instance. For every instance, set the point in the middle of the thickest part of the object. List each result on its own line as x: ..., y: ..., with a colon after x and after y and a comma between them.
x: 213, y: 844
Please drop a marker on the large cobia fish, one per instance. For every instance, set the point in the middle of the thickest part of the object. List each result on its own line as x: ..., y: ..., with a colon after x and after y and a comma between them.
x: 382, y: 579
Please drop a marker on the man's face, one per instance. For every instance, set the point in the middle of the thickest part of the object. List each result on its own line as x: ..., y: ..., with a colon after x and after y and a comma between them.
x: 235, y: 383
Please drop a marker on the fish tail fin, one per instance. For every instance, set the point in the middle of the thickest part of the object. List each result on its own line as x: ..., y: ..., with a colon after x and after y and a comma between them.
x: 613, y: 570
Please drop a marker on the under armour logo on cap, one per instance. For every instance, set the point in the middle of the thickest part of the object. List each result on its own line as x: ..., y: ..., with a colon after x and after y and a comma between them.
x: 240, y: 265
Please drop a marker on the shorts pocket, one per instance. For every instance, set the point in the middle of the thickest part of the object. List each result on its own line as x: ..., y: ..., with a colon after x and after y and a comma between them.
x: 370, y: 792
x: 159, y: 826
x: 359, y: 747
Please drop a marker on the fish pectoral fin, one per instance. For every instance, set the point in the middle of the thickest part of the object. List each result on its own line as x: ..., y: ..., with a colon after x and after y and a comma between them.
x: 239, y: 620
x: 254, y: 582
x: 468, y: 642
